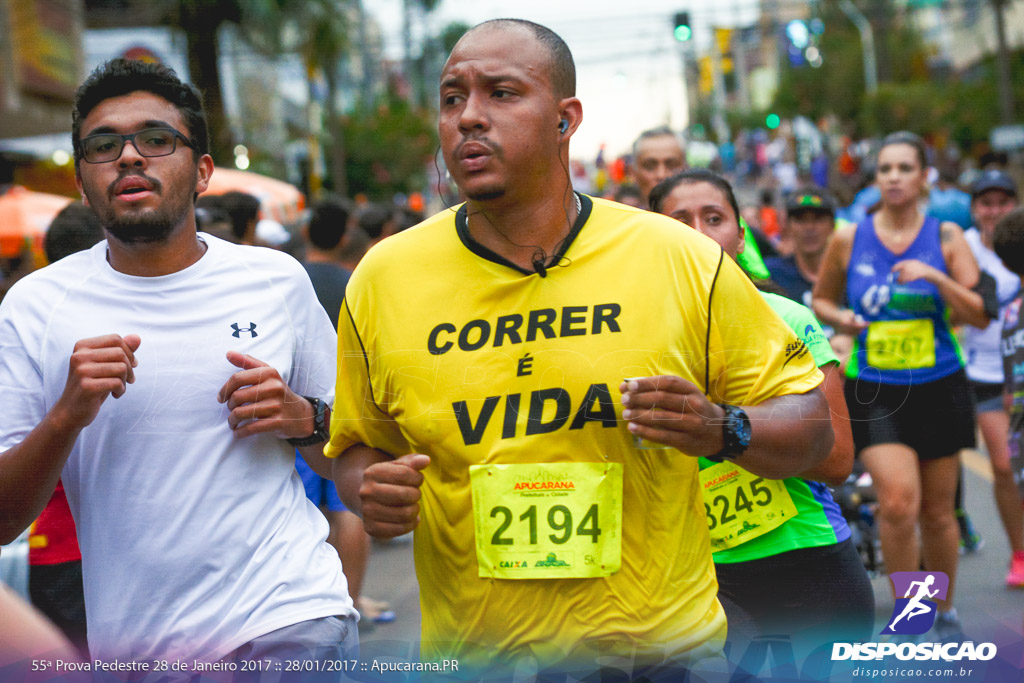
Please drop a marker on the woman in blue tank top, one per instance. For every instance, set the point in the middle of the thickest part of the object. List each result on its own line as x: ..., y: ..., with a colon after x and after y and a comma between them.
x: 897, y: 282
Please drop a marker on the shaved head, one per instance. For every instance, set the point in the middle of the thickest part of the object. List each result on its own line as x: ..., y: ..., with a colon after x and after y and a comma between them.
x: 562, y: 68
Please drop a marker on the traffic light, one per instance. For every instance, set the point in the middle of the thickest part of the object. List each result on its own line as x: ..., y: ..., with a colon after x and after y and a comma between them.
x: 682, y: 31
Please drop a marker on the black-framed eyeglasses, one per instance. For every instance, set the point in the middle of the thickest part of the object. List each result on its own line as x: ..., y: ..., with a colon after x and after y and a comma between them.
x: 151, y: 142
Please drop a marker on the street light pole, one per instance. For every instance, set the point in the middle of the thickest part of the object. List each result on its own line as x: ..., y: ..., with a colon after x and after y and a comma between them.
x: 718, y: 120
x: 1006, y: 115
x: 867, y: 40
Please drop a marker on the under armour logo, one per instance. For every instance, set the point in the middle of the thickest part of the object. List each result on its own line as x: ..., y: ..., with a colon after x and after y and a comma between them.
x: 238, y: 330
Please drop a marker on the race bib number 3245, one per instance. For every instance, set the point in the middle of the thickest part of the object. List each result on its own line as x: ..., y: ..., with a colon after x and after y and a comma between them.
x: 741, y: 506
x: 547, y: 520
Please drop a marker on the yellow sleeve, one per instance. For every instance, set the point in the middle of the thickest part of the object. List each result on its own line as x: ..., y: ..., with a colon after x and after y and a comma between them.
x: 753, y: 355
x: 357, y: 417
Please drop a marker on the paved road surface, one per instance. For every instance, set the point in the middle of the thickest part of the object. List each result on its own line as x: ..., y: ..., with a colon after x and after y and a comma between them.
x: 989, y: 611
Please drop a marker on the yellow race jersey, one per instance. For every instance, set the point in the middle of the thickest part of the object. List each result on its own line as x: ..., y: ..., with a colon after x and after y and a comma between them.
x: 447, y: 349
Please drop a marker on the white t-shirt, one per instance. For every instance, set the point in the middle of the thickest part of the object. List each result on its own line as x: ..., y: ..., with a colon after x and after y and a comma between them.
x: 193, y: 542
x: 984, y: 362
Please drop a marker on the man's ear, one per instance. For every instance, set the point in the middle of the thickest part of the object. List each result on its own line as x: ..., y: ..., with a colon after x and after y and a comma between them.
x: 203, y: 172
x: 571, y: 110
x: 81, y: 190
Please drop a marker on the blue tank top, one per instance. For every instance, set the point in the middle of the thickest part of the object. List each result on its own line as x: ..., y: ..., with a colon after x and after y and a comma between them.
x: 909, y: 338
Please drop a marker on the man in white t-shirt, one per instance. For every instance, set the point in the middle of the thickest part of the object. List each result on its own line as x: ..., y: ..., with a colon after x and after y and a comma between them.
x: 198, y: 543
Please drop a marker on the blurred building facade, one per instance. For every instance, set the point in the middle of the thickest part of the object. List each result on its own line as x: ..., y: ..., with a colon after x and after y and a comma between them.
x: 48, y: 46
x: 41, y: 64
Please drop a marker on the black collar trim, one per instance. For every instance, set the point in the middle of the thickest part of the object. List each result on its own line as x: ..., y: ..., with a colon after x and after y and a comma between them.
x: 462, y: 228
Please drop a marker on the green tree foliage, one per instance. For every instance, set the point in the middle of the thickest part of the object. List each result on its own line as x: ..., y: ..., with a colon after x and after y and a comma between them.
x: 919, y: 106
x: 389, y: 148
x: 959, y: 108
x: 451, y: 33
x: 963, y: 110
x: 837, y: 87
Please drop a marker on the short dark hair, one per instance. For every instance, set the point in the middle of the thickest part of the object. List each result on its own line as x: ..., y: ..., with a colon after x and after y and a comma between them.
x: 373, y: 219
x: 1008, y: 240
x: 628, y: 191
x: 691, y: 176
x: 328, y: 219
x: 243, y: 209
x: 905, y: 137
x: 210, y: 201
x: 659, y: 132
x: 120, y: 76
x: 563, y: 68
x: 213, y: 219
x: 75, y: 228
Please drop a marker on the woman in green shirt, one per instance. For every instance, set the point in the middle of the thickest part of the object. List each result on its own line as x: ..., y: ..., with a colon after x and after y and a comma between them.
x: 784, y: 557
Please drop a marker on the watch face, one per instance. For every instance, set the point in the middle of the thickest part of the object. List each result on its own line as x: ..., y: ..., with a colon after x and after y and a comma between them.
x: 739, y: 426
x: 320, y: 429
x: 742, y: 429
x: 318, y: 414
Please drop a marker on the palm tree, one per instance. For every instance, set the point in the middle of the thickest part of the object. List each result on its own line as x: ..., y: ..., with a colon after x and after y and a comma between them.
x: 319, y: 34
x: 201, y: 20
x: 321, y: 30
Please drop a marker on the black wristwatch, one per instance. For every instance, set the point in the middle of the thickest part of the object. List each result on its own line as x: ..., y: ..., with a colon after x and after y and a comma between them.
x: 321, y: 430
x: 735, y: 433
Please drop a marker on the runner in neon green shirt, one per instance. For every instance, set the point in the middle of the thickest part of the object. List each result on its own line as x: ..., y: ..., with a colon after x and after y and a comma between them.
x: 782, y: 550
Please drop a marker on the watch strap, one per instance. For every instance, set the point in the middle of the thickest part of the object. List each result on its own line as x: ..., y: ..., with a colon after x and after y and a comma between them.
x: 320, y: 427
x: 733, y: 443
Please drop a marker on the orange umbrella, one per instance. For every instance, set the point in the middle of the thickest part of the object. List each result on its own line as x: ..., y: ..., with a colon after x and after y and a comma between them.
x: 24, y: 218
x: 278, y: 200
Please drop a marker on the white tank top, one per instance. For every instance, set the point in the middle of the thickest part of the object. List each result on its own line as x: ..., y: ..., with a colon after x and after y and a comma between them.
x: 984, y: 364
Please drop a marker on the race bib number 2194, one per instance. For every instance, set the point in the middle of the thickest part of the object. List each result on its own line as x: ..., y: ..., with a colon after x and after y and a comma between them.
x: 547, y: 520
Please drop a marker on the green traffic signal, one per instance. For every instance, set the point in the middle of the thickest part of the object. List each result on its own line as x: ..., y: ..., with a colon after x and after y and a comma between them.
x: 772, y: 121
x: 682, y: 31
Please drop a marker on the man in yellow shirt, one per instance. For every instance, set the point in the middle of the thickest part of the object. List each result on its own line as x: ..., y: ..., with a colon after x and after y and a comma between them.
x: 481, y: 396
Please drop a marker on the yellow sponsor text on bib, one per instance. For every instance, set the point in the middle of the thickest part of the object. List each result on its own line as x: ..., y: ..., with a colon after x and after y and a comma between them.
x: 741, y: 506
x: 901, y: 344
x: 547, y: 520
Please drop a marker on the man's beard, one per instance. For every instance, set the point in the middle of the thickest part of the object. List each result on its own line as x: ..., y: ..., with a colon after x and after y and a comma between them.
x: 487, y: 194
x: 148, y: 229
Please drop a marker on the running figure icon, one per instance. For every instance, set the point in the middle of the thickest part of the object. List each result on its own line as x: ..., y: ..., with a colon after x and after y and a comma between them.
x: 919, y: 591
x: 915, y: 607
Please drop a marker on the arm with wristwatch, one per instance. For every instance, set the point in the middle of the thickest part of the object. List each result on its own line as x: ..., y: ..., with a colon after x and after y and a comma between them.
x: 259, y: 401
x: 778, y: 438
x: 311, y: 447
x: 321, y: 426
